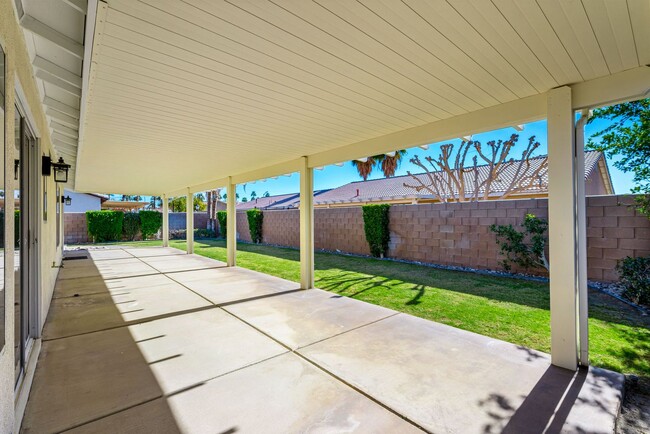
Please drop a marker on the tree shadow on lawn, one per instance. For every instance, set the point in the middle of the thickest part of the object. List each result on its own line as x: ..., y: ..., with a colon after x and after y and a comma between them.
x: 368, y: 273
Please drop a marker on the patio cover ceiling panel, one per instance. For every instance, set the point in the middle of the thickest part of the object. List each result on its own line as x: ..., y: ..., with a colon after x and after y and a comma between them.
x: 185, y: 92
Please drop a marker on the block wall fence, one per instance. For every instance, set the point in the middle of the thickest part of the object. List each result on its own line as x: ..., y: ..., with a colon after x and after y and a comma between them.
x: 458, y: 234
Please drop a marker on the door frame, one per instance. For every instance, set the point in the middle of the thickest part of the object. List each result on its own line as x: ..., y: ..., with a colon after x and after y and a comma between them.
x: 29, y: 270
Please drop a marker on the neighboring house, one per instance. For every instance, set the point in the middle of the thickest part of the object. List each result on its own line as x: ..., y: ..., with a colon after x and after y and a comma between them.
x: 82, y: 202
x: 281, y: 201
x: 392, y: 190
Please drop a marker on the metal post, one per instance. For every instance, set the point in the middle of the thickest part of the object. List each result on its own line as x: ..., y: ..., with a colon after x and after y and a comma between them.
x: 231, y: 224
x: 189, y: 219
x: 165, y: 220
x: 306, y: 225
x: 583, y: 292
x: 562, y: 213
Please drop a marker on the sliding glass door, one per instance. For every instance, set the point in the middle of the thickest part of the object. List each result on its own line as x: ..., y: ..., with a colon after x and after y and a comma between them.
x: 25, y: 247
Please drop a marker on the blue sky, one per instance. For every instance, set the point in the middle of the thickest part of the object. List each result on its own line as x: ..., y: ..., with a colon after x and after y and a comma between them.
x: 334, y: 176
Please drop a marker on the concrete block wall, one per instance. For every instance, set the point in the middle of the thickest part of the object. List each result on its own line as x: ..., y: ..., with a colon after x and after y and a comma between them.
x: 459, y: 234
x: 614, y: 231
x: 177, y: 220
x: 449, y: 234
x: 75, y: 228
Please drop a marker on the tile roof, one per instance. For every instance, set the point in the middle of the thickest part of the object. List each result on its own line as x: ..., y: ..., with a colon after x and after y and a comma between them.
x: 385, y: 189
x: 394, y: 189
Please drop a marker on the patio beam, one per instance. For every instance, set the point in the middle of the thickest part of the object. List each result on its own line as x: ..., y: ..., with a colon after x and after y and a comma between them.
x: 562, y: 206
x: 306, y: 225
x: 231, y: 223
x: 189, y: 222
x: 165, y: 220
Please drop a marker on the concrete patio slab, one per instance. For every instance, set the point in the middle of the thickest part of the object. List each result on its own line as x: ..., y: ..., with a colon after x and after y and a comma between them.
x: 145, y: 297
x: 231, y: 284
x: 78, y: 315
x: 151, y: 417
x: 115, y: 268
x: 80, y: 286
x: 282, y: 395
x: 175, y: 263
x: 82, y: 378
x: 103, y: 254
x: 143, y: 252
x: 186, y: 350
x: 126, y: 300
x: 449, y: 380
x: 302, y: 318
x: 181, y: 364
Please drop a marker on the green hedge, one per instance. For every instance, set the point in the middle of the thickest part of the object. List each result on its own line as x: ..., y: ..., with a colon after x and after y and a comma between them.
x: 255, y: 219
x: 105, y: 225
x: 150, y: 223
x: 222, y: 216
x: 131, y: 226
x: 375, y: 224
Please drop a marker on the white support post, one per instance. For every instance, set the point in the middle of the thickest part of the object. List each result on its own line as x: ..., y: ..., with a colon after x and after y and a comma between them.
x: 165, y: 220
x: 583, y: 292
x: 231, y: 223
x: 189, y: 219
x: 562, y: 217
x: 306, y: 225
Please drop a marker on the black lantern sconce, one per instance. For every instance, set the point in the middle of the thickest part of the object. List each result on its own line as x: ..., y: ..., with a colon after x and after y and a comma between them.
x: 60, y: 169
x: 66, y: 200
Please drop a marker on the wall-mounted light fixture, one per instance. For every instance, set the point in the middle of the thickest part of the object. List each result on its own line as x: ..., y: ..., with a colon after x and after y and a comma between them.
x: 66, y: 200
x: 60, y: 168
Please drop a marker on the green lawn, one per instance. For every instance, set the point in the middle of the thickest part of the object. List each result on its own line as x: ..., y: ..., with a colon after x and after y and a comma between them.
x: 513, y: 310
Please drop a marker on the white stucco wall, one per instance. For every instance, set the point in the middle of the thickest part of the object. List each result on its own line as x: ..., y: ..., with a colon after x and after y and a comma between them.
x: 18, y: 69
x: 82, y: 202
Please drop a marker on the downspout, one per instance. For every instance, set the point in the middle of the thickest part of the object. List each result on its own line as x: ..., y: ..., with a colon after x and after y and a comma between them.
x: 581, y: 248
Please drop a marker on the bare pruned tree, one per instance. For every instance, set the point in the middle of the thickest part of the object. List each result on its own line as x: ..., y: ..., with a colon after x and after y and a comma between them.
x: 450, y: 178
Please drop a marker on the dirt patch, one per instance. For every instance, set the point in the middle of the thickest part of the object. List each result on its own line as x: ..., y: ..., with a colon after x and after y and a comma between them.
x: 635, y: 411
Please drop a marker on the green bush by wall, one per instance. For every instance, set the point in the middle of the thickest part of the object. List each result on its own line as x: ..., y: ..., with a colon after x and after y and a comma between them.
x: 255, y: 219
x: 150, y: 223
x: 131, y: 226
x: 375, y: 225
x: 105, y: 225
x: 222, y: 216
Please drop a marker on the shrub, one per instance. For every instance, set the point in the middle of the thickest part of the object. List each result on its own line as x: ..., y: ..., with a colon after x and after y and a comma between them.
x: 524, y: 248
x: 181, y: 234
x: 634, y: 275
x: 375, y: 224
x: 105, y: 225
x: 222, y: 216
x: 150, y: 223
x: 131, y: 225
x: 204, y: 233
x: 255, y: 219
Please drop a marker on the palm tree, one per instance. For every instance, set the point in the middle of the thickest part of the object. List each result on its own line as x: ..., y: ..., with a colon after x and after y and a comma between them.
x: 387, y: 163
x: 390, y: 163
x: 364, y: 167
x: 266, y: 194
x: 253, y: 195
